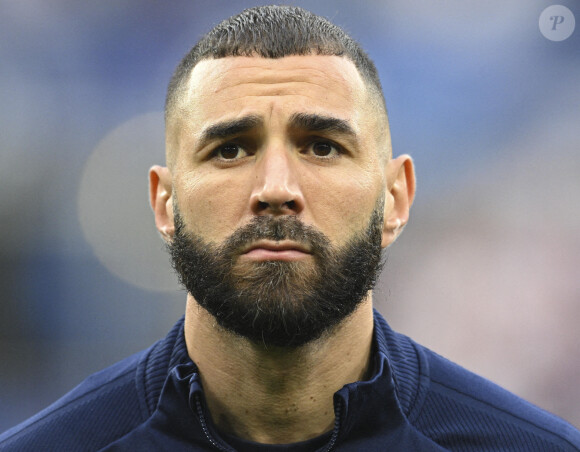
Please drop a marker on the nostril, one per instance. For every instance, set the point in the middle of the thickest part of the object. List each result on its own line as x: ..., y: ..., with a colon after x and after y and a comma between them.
x: 288, y: 205
x: 291, y: 204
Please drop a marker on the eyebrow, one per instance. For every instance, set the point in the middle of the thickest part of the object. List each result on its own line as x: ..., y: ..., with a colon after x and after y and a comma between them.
x: 226, y: 129
x: 306, y: 121
x: 319, y: 123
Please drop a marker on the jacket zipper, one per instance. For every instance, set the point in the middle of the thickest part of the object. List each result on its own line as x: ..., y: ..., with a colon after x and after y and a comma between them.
x: 337, y: 417
x: 212, y: 441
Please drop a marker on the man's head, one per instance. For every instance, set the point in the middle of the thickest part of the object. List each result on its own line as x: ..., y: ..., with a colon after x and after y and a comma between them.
x: 280, y: 190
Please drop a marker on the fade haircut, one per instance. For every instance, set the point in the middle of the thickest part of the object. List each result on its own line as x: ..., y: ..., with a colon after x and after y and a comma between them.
x: 273, y: 32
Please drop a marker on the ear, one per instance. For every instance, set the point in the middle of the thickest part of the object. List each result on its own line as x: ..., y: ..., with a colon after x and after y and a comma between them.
x: 399, y: 197
x: 160, y: 197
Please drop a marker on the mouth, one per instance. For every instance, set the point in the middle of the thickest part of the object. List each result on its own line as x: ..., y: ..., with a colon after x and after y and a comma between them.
x: 285, y: 250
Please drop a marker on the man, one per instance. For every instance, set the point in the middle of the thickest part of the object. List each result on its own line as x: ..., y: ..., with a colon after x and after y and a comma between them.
x: 279, y: 194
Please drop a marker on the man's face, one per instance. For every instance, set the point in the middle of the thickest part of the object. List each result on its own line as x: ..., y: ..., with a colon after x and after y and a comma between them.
x: 263, y: 147
x: 222, y: 175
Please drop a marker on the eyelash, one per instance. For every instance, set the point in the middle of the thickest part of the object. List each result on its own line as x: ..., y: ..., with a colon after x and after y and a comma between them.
x: 338, y: 149
x: 239, y: 147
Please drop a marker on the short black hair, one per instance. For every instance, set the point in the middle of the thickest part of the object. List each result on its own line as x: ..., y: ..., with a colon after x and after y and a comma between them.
x: 273, y: 32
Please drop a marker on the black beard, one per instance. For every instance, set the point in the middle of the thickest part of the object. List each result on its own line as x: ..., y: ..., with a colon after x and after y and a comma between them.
x: 279, y: 303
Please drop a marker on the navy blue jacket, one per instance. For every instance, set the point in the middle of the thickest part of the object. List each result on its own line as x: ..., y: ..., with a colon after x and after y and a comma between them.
x: 416, y: 401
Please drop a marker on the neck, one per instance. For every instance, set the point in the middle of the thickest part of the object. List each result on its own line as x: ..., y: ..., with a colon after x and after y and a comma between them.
x: 276, y: 395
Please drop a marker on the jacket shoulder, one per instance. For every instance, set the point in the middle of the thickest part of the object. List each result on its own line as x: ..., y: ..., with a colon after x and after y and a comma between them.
x: 463, y: 411
x: 101, y: 409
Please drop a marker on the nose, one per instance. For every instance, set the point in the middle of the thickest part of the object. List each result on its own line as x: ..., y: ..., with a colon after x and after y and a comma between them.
x: 277, y: 189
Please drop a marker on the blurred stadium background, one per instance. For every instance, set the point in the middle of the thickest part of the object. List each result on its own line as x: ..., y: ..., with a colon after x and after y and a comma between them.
x: 486, y: 273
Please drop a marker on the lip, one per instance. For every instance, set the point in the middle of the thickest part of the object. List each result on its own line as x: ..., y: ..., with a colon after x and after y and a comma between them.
x: 285, y: 250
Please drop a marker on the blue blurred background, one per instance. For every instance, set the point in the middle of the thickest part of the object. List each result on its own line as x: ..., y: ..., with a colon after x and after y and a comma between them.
x: 486, y: 273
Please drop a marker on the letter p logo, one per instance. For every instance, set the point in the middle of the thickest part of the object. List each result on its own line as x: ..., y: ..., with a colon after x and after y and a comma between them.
x: 557, y: 23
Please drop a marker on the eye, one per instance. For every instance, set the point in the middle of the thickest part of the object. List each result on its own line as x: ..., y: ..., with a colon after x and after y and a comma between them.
x: 323, y: 149
x: 230, y: 151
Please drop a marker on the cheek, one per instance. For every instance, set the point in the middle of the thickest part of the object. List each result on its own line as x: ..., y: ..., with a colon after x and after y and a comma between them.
x: 345, y: 204
x: 211, y: 207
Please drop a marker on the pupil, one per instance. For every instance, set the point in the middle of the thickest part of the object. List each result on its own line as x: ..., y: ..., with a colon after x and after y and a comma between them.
x: 229, y: 152
x: 322, y: 149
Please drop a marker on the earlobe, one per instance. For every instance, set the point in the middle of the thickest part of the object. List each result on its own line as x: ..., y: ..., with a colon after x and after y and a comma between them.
x: 160, y: 197
x: 399, y: 197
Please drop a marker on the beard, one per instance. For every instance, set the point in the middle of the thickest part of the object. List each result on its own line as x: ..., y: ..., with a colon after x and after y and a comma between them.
x: 279, y: 303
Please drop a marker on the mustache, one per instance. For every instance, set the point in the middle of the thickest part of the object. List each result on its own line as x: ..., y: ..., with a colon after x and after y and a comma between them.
x: 277, y: 229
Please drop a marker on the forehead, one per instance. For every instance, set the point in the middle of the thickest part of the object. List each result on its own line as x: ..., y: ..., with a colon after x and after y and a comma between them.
x: 233, y: 86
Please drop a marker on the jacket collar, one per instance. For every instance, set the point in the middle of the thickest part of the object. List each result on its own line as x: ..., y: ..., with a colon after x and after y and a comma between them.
x: 375, y: 410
